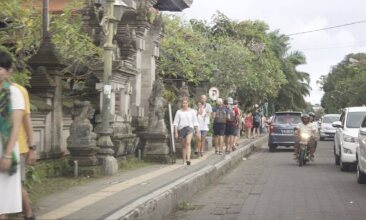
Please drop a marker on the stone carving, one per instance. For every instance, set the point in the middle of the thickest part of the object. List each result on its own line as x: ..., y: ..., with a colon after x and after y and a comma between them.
x: 183, y: 92
x: 143, y: 10
x: 82, y: 140
x: 157, y: 109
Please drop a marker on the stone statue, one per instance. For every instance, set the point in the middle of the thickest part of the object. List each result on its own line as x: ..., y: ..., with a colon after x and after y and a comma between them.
x: 82, y: 140
x: 183, y: 92
x: 157, y: 109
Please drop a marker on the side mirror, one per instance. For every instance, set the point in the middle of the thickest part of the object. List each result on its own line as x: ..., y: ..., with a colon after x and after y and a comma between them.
x: 337, y: 124
x: 362, y: 131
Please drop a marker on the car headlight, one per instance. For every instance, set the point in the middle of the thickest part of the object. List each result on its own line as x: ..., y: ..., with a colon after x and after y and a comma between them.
x: 347, y: 151
x: 348, y: 138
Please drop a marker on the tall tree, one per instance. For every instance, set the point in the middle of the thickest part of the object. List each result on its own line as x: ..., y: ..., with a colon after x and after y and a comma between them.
x: 345, y: 84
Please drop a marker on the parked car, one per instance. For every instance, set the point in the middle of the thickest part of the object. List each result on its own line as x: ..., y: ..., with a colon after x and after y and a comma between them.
x: 346, y: 136
x: 281, y: 129
x: 361, y: 153
x: 326, y: 130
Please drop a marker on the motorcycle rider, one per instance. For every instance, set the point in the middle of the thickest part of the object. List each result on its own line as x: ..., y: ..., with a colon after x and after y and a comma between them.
x: 305, y: 127
x: 312, y: 121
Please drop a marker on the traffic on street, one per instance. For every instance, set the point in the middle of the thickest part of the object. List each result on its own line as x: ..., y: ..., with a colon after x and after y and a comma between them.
x: 272, y: 186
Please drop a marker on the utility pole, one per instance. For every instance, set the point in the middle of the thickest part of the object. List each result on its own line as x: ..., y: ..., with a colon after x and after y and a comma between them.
x: 105, y: 139
x: 45, y: 16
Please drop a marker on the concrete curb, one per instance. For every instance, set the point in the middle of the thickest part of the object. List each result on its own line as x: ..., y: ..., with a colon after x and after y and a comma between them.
x: 164, y: 201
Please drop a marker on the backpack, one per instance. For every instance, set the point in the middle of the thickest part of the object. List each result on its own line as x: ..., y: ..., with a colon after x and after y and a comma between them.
x: 231, y: 115
x: 221, y: 115
x: 257, y: 118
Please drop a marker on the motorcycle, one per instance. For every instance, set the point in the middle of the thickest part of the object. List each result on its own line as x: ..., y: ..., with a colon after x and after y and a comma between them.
x: 304, y: 154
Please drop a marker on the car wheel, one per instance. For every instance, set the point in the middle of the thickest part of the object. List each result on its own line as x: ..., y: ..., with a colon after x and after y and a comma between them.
x: 336, y: 157
x: 361, y: 177
x: 272, y: 148
x: 343, y: 166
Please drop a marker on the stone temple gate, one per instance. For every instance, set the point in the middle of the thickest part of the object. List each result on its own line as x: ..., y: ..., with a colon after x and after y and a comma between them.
x: 137, y: 48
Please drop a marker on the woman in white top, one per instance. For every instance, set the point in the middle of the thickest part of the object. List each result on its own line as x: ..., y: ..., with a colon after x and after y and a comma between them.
x: 203, y: 121
x: 185, y: 122
x: 12, y: 107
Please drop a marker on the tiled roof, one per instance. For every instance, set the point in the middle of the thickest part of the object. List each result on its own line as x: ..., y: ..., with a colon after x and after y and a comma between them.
x: 46, y: 56
x: 173, y: 5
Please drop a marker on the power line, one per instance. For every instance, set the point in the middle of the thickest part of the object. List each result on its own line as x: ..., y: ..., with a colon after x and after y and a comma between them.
x: 327, y: 28
x: 339, y: 47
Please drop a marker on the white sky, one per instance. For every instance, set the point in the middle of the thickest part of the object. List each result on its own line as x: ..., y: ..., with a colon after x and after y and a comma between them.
x: 323, y: 49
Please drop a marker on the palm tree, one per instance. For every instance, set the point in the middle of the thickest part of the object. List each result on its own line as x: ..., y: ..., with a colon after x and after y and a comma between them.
x: 292, y: 95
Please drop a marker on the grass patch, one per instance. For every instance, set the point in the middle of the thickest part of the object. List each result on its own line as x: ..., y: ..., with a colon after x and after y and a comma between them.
x: 185, y: 206
x: 55, y: 176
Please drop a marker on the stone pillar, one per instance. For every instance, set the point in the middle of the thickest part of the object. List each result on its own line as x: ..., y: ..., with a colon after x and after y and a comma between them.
x: 137, y: 82
x: 148, y: 68
x: 57, y: 119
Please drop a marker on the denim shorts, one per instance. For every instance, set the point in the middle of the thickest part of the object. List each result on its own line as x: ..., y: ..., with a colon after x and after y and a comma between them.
x: 182, y: 133
x: 204, y: 133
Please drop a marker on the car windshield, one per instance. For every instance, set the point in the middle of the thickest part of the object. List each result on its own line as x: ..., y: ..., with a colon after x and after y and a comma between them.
x: 354, y: 119
x: 330, y: 119
x: 287, y: 119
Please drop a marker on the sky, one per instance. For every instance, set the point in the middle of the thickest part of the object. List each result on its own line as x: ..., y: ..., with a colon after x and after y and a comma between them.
x: 323, y: 49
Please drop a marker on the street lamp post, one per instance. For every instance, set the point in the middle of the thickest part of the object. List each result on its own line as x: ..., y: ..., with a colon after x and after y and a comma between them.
x: 113, y: 14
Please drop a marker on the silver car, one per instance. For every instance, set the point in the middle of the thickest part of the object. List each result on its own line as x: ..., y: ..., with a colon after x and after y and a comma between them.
x: 326, y: 130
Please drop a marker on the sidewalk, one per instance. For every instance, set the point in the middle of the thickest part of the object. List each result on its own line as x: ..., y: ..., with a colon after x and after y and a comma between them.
x: 146, y: 193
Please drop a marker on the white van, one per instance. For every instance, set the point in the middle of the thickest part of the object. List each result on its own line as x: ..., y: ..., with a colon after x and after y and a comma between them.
x: 361, y: 153
x: 346, y: 136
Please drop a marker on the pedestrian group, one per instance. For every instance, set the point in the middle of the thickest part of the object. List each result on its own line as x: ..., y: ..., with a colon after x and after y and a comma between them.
x: 228, y: 123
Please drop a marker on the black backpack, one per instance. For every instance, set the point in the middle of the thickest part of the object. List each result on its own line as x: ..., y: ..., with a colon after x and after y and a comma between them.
x: 231, y: 115
x: 220, y: 115
x: 257, y: 118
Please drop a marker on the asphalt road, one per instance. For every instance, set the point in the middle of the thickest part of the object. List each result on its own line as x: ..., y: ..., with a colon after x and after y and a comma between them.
x: 271, y: 186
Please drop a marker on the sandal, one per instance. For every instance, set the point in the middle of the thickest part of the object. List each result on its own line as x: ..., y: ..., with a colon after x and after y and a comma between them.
x: 33, y: 217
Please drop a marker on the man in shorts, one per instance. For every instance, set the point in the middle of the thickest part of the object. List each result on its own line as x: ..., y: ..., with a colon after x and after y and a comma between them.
x: 231, y: 127
x: 257, y: 118
x: 219, y: 125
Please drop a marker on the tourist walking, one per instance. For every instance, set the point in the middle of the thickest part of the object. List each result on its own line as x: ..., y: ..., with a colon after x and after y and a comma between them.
x: 238, y: 124
x: 185, y: 123
x: 248, y: 123
x: 12, y: 107
x: 208, y: 112
x: 264, y: 125
x: 257, y: 118
x: 219, y: 125
x: 231, y: 125
x: 203, y: 121
x: 27, y: 150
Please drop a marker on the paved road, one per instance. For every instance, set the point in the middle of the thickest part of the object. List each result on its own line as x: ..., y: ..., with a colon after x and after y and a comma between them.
x: 271, y: 186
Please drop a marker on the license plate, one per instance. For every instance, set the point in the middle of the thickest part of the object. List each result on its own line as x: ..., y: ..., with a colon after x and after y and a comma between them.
x: 287, y: 131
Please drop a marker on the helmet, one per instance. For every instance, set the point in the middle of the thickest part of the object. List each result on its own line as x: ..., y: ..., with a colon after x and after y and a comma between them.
x: 305, y: 116
x: 311, y: 114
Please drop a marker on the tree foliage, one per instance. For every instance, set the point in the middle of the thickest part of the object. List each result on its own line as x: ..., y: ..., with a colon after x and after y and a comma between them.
x: 345, y: 84
x: 20, y: 35
x: 253, y: 64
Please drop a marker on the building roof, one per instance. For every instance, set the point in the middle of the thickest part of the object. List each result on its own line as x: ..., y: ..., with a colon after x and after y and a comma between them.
x: 173, y: 5
x: 55, y: 6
